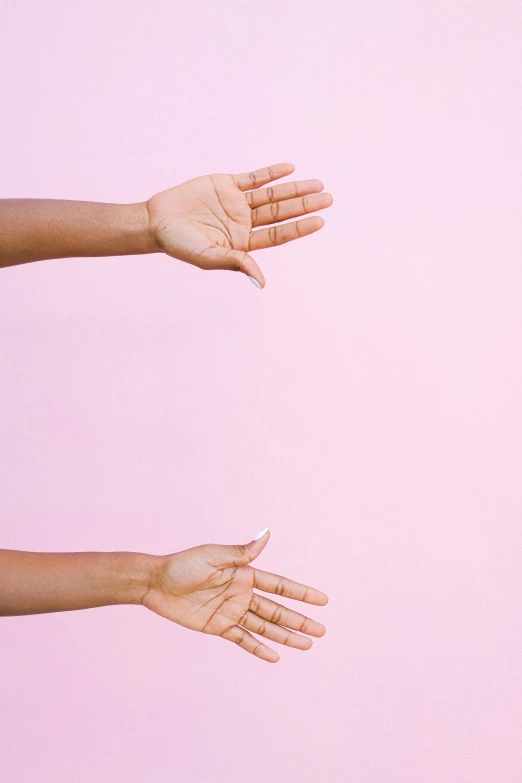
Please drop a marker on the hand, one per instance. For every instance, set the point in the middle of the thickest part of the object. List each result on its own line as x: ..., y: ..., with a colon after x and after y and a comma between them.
x: 211, y: 589
x: 208, y: 221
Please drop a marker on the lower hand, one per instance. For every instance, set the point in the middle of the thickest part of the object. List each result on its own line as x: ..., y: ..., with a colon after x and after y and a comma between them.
x: 211, y: 589
x: 208, y: 221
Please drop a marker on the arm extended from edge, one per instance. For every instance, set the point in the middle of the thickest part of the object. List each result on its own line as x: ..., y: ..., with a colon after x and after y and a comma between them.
x: 40, y: 229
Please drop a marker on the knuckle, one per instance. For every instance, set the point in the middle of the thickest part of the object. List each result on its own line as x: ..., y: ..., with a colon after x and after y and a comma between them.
x: 280, y: 587
x: 235, y: 264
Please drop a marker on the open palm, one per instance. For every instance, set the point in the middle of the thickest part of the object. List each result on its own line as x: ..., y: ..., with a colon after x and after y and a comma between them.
x: 211, y: 589
x: 208, y: 221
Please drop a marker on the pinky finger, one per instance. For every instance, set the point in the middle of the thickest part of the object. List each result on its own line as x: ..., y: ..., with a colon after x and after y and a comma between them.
x: 249, y: 643
x: 259, y: 177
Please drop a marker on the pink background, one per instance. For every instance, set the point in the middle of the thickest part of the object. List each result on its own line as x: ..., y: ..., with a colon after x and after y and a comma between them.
x: 367, y: 405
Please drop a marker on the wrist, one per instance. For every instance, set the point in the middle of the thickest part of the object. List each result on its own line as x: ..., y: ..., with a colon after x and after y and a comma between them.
x: 135, y: 219
x: 133, y: 574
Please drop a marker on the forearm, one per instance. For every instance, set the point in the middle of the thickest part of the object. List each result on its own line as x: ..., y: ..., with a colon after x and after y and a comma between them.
x: 39, y: 582
x: 38, y: 229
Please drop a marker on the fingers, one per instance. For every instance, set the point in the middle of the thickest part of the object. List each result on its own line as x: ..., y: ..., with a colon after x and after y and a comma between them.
x: 278, y: 211
x: 238, y: 555
x: 272, y: 583
x: 249, y: 643
x: 288, y: 190
x: 275, y: 632
x: 280, y: 615
x: 303, y: 187
x: 259, y: 177
x: 278, y: 235
x: 235, y: 260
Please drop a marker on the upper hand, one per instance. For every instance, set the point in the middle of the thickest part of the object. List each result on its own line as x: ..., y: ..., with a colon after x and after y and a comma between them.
x: 208, y: 221
x: 211, y: 589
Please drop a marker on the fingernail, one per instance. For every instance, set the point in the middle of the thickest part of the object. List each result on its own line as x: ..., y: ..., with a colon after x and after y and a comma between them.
x: 253, y: 279
x: 261, y: 534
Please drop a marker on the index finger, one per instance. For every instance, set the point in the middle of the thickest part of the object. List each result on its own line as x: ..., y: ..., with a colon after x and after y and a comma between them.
x: 259, y: 177
x: 280, y: 585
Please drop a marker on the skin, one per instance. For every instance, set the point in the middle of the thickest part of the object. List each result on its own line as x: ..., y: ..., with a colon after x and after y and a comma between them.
x: 209, y: 222
x: 211, y: 589
x: 213, y: 222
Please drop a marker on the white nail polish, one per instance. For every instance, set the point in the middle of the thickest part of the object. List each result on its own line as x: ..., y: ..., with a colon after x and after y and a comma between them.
x: 261, y: 534
x: 255, y: 282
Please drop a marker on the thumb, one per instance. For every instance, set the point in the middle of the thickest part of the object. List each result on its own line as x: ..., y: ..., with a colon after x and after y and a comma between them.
x: 235, y: 261
x: 241, y: 554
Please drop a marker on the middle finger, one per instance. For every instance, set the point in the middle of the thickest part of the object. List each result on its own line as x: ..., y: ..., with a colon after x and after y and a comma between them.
x: 289, y: 208
x: 281, y: 615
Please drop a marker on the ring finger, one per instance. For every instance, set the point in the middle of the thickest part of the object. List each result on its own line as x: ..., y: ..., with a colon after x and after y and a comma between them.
x: 302, y: 187
x: 276, y: 633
